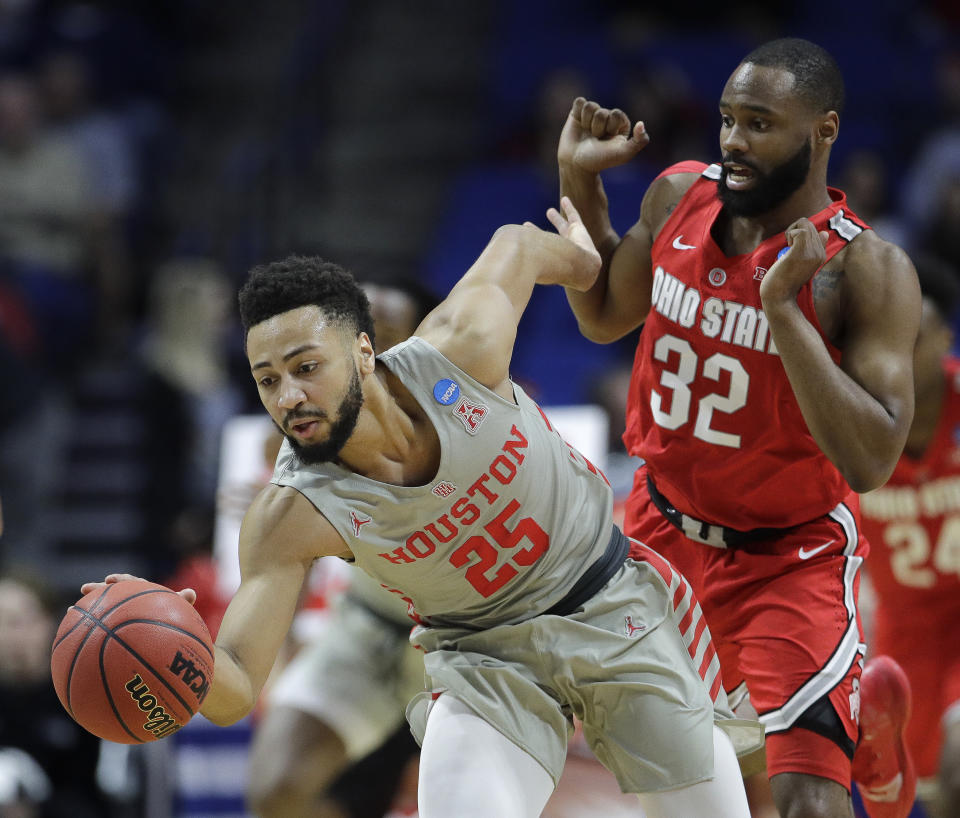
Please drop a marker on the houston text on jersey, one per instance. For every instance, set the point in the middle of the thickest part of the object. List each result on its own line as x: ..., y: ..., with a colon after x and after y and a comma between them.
x: 464, y: 510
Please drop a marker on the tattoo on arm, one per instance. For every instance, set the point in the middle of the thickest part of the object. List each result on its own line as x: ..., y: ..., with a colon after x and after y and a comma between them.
x: 826, y: 283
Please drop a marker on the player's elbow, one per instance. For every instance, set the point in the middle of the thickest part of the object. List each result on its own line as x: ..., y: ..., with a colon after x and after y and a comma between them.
x: 600, y: 324
x: 529, y: 253
x: 866, y: 454
x: 508, y: 254
x: 232, y: 695
x: 861, y: 484
x: 868, y: 474
x: 223, y: 715
x: 509, y: 239
x: 599, y: 331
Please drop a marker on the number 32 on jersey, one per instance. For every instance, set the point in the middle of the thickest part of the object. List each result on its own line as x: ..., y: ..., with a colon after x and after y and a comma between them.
x: 678, y: 379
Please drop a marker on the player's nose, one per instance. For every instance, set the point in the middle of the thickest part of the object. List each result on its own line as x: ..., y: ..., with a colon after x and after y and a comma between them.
x: 290, y: 395
x: 733, y: 140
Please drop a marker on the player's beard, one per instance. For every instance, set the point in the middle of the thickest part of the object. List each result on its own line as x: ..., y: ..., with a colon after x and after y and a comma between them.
x: 340, y: 429
x: 769, y: 190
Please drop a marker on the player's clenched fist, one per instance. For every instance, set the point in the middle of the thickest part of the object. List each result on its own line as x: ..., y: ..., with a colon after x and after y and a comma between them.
x: 805, y: 254
x: 595, y: 138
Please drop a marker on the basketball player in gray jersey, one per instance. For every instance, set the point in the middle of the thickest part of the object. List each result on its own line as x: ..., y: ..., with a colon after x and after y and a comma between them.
x: 439, y: 477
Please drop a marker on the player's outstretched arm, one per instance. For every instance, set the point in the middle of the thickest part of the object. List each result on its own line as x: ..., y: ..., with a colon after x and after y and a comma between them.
x: 594, y: 139
x: 281, y: 535
x: 860, y: 411
x: 475, y: 326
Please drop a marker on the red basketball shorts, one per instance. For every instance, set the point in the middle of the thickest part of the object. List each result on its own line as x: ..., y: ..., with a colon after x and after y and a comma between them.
x: 784, y: 619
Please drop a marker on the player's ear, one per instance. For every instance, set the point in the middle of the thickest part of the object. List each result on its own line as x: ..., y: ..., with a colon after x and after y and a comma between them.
x: 367, y: 354
x: 828, y: 127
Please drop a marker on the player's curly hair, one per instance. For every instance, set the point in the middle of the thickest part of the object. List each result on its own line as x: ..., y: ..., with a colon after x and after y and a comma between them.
x: 818, y: 77
x: 300, y: 281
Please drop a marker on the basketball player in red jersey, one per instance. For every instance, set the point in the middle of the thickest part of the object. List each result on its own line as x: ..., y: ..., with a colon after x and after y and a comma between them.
x: 913, y: 523
x: 773, y: 374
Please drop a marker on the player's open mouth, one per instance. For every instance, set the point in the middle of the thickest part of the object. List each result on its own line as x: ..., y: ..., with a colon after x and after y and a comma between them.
x: 304, y: 428
x: 738, y: 176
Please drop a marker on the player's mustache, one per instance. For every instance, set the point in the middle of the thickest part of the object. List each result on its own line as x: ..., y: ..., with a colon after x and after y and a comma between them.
x: 302, y: 414
x: 736, y: 160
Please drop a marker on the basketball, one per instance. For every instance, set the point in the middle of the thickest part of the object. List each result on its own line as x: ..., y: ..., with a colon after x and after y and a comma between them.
x: 132, y: 662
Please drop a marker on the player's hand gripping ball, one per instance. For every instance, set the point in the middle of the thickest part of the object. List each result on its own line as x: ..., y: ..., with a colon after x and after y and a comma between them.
x: 132, y: 662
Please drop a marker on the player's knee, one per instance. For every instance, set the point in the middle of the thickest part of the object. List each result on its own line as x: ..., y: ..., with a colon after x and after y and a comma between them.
x: 806, y: 796
x: 283, y: 786
x: 812, y: 806
x: 279, y: 791
x: 276, y: 801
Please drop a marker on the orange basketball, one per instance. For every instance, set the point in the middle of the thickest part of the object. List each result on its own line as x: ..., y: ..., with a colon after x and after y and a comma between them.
x: 132, y: 662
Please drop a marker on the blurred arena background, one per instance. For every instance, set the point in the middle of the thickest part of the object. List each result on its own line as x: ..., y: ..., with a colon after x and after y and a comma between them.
x: 150, y: 153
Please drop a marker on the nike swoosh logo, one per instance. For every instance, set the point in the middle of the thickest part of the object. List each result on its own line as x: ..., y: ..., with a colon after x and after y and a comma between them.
x: 805, y: 555
x: 679, y: 245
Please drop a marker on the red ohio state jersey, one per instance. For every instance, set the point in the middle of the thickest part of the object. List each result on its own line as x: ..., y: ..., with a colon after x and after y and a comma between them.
x: 913, y: 522
x: 711, y: 409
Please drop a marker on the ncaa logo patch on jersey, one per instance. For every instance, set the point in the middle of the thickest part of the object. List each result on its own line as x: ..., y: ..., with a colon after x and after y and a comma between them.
x: 446, y: 391
x: 471, y: 415
x: 717, y: 276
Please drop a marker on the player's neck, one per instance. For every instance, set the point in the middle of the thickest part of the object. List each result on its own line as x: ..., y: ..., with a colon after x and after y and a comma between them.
x: 742, y: 234
x: 390, y: 444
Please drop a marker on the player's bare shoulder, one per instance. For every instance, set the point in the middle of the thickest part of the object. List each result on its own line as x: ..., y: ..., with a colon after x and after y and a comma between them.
x: 282, y: 525
x: 661, y: 199
x: 869, y: 277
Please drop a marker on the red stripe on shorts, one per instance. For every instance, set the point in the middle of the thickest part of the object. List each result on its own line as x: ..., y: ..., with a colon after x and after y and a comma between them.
x: 644, y: 553
x: 695, y: 641
x: 715, y: 687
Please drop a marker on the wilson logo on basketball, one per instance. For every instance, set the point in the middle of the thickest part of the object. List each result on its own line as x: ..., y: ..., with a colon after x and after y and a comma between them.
x: 194, y: 678
x: 159, y: 722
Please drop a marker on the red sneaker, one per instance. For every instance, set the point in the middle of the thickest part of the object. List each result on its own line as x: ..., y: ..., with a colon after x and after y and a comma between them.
x: 882, y: 767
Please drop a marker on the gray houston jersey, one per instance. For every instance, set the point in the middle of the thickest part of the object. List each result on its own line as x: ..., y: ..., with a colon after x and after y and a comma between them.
x: 370, y: 593
x: 511, y: 520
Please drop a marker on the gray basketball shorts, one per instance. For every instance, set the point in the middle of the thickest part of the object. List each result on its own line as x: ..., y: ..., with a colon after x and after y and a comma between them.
x: 620, y: 664
x: 356, y: 676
